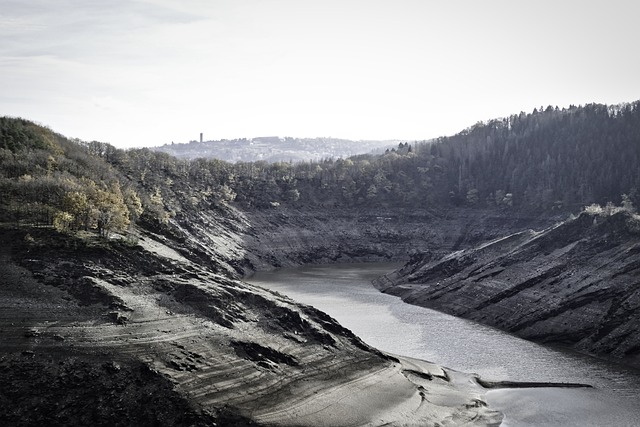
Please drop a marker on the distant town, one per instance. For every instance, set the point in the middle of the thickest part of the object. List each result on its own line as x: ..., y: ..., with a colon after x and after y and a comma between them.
x: 275, y: 149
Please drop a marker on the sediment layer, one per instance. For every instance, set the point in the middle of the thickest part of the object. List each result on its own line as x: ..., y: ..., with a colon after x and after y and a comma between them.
x: 575, y: 283
x: 98, y: 332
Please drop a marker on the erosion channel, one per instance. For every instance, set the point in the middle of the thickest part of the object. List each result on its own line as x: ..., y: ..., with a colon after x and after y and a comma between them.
x: 344, y: 291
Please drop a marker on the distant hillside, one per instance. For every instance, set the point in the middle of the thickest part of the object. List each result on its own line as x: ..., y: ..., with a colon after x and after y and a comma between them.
x: 274, y: 149
x: 546, y: 162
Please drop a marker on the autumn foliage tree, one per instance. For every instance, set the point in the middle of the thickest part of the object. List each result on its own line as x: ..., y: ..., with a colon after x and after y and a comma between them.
x: 47, y: 179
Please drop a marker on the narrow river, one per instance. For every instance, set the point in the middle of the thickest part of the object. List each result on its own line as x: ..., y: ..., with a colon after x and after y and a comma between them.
x: 385, y: 322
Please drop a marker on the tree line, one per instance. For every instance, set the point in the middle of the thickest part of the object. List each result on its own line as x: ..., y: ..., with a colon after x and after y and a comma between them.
x: 549, y: 160
x: 46, y: 179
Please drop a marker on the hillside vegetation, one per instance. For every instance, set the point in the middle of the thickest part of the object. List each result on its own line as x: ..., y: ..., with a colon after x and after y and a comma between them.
x: 47, y: 179
x: 548, y: 161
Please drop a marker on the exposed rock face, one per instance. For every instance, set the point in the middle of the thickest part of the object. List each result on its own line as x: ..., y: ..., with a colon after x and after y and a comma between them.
x: 576, y: 283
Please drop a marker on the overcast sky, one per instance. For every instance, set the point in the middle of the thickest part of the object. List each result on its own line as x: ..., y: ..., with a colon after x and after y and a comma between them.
x: 149, y: 72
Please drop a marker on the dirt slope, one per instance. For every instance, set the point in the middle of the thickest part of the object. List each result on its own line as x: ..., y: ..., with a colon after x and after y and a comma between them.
x: 576, y: 283
x: 108, y: 333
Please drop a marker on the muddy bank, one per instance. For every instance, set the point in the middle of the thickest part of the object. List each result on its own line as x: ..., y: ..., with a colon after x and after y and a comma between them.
x: 99, y: 332
x: 284, y: 238
x: 573, y: 284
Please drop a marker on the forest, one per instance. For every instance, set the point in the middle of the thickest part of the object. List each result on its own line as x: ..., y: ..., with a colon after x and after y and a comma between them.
x: 549, y: 160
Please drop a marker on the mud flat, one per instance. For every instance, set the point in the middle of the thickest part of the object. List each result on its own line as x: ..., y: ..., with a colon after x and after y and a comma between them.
x: 408, y: 392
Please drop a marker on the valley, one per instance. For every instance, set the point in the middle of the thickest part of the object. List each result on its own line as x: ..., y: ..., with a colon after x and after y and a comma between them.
x: 124, y: 299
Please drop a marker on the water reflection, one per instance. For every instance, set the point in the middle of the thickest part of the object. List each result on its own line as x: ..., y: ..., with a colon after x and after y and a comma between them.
x: 385, y: 322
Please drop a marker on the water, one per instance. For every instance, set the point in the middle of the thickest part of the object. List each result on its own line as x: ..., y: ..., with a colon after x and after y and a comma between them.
x: 385, y: 322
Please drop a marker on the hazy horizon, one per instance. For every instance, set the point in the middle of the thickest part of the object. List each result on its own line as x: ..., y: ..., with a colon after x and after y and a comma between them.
x: 152, y: 72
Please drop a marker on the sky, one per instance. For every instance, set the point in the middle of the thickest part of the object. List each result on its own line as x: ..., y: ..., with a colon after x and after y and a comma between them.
x: 149, y: 72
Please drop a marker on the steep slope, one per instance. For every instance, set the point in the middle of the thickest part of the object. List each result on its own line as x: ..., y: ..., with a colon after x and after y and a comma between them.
x: 285, y: 237
x: 110, y: 333
x: 121, y: 304
x: 577, y: 283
